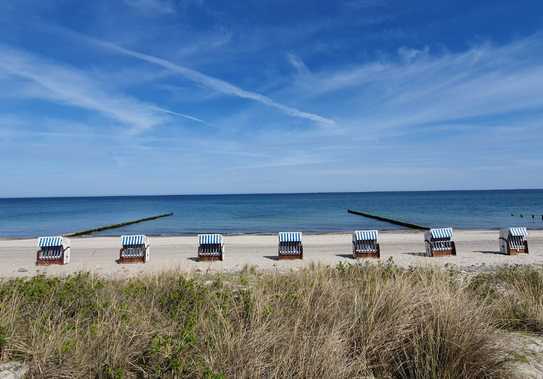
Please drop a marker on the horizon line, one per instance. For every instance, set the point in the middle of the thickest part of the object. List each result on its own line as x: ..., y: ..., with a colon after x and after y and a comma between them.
x: 268, y: 193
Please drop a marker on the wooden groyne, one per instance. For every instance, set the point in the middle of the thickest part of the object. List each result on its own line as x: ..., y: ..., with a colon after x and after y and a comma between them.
x: 389, y: 220
x: 115, y: 226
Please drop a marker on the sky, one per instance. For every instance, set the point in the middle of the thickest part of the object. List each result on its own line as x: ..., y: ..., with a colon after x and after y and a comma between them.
x: 197, y: 96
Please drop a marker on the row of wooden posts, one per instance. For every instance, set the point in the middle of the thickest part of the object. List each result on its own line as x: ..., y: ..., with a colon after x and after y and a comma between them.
x: 365, y: 244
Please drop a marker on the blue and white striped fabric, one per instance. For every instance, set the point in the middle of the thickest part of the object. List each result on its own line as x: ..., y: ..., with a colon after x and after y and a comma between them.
x: 50, y: 241
x: 365, y: 235
x: 441, y: 233
x: 210, y: 239
x: 290, y: 237
x: 518, y: 232
x: 137, y: 239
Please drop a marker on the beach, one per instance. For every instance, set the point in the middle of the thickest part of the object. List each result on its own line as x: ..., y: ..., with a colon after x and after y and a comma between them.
x: 477, y: 250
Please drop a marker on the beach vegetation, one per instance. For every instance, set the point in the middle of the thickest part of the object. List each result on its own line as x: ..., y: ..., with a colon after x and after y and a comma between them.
x: 355, y: 320
x: 514, y: 295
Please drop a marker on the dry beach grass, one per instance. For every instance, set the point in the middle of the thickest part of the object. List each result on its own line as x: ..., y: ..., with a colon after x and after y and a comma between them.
x: 349, y: 321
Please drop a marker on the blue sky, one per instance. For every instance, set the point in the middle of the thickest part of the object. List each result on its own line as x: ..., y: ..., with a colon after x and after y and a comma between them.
x: 171, y: 97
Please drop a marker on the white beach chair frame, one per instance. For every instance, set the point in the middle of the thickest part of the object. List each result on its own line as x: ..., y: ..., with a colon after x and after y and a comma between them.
x: 439, y: 242
x: 365, y: 244
x: 290, y: 245
x: 210, y: 247
x: 135, y: 249
x: 53, y: 250
x: 514, y: 241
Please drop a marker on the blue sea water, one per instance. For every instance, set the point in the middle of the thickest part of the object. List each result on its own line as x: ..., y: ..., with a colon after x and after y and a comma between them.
x: 270, y: 213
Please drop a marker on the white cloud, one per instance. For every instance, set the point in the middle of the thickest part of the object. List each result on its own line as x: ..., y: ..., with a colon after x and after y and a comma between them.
x: 419, y: 87
x: 298, y: 64
x: 215, y: 83
x: 63, y: 84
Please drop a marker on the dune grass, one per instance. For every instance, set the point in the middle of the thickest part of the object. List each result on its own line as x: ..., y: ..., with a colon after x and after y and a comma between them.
x: 514, y: 295
x: 348, y: 321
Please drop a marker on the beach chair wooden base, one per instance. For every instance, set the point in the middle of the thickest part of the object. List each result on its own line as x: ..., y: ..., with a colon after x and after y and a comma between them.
x: 290, y: 250
x: 367, y: 254
x: 123, y: 260
x: 290, y: 256
x: 48, y: 262
x: 443, y: 252
x: 520, y: 250
x: 210, y: 258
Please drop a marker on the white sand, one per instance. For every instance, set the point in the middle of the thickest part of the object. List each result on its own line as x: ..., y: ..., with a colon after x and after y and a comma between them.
x: 477, y: 249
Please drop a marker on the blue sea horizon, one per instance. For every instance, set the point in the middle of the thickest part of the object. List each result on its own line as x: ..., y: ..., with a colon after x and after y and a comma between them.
x: 270, y: 213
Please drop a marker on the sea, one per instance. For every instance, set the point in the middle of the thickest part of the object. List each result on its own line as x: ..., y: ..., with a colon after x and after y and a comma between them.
x: 270, y: 213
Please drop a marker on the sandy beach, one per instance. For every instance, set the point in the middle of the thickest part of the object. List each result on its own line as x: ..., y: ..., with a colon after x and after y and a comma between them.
x: 477, y: 250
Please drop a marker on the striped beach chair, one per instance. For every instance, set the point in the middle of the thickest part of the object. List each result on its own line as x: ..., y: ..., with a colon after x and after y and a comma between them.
x: 290, y: 245
x: 210, y: 247
x: 53, y: 251
x: 134, y: 249
x: 439, y: 242
x: 514, y: 241
x: 365, y: 244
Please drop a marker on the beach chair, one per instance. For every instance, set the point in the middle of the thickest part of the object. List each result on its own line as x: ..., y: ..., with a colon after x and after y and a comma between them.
x: 365, y: 244
x: 134, y: 249
x: 210, y: 247
x: 53, y: 251
x: 514, y: 241
x: 439, y: 242
x: 290, y: 245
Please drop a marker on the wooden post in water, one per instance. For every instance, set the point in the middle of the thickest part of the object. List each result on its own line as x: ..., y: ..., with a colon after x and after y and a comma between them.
x: 389, y: 220
x: 115, y: 226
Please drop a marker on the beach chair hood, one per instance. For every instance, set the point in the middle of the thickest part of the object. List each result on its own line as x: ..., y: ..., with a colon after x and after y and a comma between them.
x: 290, y: 237
x: 441, y: 233
x: 518, y: 232
x: 210, y: 239
x: 52, y: 241
x: 365, y: 235
x: 132, y: 240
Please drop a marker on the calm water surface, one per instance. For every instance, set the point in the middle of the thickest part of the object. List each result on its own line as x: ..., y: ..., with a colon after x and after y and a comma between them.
x: 270, y: 213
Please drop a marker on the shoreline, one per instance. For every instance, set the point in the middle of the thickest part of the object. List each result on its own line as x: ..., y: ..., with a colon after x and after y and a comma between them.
x: 477, y: 250
x: 264, y: 234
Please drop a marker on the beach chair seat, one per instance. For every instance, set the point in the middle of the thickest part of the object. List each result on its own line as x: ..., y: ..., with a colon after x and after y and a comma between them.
x: 365, y: 244
x: 53, y: 250
x: 290, y: 245
x: 439, y: 242
x: 210, y: 247
x: 514, y: 241
x: 134, y: 249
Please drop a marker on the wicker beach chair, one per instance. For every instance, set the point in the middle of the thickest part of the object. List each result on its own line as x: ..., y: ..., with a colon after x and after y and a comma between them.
x: 365, y: 244
x: 290, y: 245
x: 210, y: 247
x: 514, y: 241
x: 53, y: 251
x: 439, y: 242
x: 134, y: 249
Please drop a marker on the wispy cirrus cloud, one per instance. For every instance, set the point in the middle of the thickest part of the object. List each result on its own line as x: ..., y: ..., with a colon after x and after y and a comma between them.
x: 66, y: 85
x: 418, y: 87
x: 213, y: 83
x: 298, y: 64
